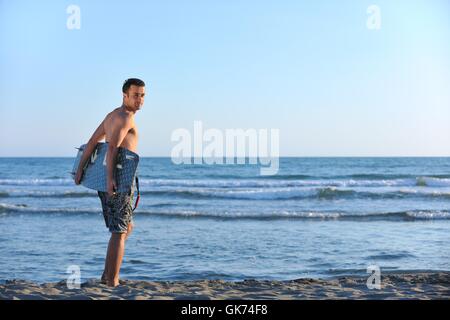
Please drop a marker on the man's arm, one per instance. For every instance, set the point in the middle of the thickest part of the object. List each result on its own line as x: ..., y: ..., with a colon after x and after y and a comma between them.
x: 97, y: 136
x: 120, y: 130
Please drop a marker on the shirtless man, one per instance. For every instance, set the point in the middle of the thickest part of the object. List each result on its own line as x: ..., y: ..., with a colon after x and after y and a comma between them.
x: 119, y: 130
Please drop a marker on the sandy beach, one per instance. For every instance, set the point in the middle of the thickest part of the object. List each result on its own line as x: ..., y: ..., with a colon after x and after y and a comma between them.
x: 426, y: 286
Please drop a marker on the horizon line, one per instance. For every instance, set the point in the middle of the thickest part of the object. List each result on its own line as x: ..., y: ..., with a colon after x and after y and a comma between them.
x: 304, y: 156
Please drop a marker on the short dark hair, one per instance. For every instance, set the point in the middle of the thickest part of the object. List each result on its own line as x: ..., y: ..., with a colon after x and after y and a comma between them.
x: 132, y: 81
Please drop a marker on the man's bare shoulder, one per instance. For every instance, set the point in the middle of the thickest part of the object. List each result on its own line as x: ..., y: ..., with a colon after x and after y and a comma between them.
x: 113, y: 113
x: 117, y: 119
x: 118, y: 114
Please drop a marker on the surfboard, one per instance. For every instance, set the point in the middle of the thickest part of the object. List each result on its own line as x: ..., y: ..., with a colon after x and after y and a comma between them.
x: 94, y: 176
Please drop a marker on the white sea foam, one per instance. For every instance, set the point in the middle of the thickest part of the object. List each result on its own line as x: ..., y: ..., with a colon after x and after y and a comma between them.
x: 419, y: 181
x: 236, y: 214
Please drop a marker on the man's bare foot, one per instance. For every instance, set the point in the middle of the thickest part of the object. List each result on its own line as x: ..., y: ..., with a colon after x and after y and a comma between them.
x: 103, y: 280
x: 120, y: 282
x: 112, y: 284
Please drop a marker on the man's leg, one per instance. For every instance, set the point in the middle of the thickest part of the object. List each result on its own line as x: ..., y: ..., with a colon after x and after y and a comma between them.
x: 105, y: 274
x: 120, y: 207
x: 116, y: 250
x: 103, y: 201
x: 104, y: 278
x: 129, y: 229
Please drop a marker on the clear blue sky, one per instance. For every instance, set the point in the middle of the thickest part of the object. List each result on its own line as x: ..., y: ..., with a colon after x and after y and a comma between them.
x: 309, y: 68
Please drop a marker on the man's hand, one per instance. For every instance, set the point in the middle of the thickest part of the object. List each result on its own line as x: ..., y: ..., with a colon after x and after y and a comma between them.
x: 112, y: 187
x: 78, y: 176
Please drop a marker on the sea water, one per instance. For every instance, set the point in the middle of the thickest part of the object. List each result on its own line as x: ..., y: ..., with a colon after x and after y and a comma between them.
x: 318, y: 218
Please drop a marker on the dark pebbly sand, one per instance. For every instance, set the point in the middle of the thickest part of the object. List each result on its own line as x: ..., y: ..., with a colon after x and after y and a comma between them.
x: 420, y: 285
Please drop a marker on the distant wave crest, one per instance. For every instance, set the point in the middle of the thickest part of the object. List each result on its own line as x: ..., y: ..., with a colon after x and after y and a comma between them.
x: 267, y: 181
x: 161, y: 210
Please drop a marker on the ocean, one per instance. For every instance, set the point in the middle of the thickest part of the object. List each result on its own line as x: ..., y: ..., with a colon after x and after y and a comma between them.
x: 317, y: 218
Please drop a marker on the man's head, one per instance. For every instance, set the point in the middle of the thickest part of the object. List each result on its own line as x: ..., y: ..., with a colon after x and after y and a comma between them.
x: 133, y: 94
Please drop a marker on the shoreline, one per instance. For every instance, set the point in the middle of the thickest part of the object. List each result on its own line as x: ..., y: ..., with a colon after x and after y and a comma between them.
x: 406, y: 285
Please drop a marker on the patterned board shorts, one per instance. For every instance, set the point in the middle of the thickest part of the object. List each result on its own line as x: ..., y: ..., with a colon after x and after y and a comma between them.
x: 117, y: 210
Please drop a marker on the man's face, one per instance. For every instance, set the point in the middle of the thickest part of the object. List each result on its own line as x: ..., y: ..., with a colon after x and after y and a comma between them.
x: 134, y: 99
